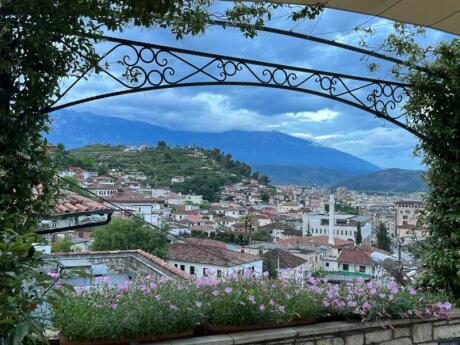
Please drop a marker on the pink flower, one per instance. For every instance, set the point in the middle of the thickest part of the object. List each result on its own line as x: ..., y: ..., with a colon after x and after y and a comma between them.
x: 228, y: 290
x: 54, y: 275
x: 261, y: 307
x: 366, y: 305
x: 411, y: 291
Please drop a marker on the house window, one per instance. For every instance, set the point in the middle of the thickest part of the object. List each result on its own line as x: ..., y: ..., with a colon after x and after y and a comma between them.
x: 362, y: 269
x: 175, y: 265
x: 205, y: 272
x: 345, y: 267
x: 327, y: 264
x: 182, y: 267
x: 192, y: 269
x: 219, y: 273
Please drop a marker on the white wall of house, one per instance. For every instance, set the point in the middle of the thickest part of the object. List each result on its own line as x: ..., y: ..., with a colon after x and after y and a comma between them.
x: 199, y: 268
x: 348, y: 267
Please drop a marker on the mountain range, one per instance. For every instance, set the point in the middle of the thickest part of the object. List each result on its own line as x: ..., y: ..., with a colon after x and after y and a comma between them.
x: 284, y: 158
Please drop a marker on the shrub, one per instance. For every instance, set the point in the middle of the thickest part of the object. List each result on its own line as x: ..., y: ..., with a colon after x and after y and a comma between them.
x: 153, y: 308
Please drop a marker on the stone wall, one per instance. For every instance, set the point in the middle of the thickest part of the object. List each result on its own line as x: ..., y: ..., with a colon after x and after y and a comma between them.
x: 136, y: 263
x: 399, y: 332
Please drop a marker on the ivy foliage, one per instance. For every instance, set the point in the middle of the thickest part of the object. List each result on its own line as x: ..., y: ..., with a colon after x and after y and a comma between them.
x: 433, y: 109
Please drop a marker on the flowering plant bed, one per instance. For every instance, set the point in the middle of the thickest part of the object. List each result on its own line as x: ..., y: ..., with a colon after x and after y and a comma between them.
x: 153, y: 310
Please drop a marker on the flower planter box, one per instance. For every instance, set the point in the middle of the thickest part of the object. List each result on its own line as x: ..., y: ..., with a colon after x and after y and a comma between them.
x: 211, y: 329
x: 128, y: 341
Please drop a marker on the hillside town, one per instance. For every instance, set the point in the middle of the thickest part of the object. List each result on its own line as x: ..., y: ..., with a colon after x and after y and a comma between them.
x: 254, y: 226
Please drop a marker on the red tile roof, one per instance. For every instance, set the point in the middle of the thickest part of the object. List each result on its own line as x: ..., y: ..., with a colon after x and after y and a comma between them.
x: 70, y: 202
x: 207, y: 242
x: 355, y: 255
x: 283, y: 258
x: 208, y: 255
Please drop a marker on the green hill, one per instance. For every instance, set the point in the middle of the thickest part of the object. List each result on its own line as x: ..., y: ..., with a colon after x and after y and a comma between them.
x: 206, y: 171
x: 390, y: 180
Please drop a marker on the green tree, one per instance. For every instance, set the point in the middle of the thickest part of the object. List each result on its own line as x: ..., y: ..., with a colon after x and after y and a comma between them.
x: 264, y: 179
x: 383, y: 240
x: 123, y: 234
x: 62, y: 246
x: 265, y: 197
x: 358, y: 236
x: 162, y: 144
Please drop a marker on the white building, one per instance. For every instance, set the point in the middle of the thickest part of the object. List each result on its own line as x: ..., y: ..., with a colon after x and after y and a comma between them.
x: 204, y: 260
x: 345, y: 225
x: 149, y: 208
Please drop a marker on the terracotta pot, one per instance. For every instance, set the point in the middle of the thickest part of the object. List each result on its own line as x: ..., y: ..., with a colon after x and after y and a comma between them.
x: 128, y: 341
x: 223, y: 329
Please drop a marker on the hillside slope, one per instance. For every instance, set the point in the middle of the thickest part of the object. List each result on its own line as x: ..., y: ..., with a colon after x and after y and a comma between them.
x: 255, y: 148
x: 390, y: 180
x: 205, y: 171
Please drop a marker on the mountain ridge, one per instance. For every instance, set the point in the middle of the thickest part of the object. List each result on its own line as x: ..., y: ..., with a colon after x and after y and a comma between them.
x: 255, y: 148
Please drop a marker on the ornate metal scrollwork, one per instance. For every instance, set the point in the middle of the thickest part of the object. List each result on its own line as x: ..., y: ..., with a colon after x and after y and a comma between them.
x: 145, y: 66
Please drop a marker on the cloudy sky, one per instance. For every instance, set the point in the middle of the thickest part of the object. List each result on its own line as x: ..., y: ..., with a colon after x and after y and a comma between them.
x: 225, y: 108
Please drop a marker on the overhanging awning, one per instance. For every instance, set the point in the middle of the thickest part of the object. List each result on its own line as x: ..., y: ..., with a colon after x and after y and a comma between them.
x: 441, y: 15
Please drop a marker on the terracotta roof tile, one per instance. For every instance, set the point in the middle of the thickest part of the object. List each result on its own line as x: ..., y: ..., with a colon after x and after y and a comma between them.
x: 297, y: 241
x: 208, y: 255
x: 70, y: 202
x: 285, y: 259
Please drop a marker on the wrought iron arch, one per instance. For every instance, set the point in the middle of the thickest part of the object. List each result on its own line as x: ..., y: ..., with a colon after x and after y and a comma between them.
x: 148, y: 66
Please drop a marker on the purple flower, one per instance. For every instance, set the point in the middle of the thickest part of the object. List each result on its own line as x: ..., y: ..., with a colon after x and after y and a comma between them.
x: 247, y: 273
x: 261, y: 307
x: 172, y: 307
x: 281, y: 309
x: 326, y: 303
x: 411, y: 291
x: 352, y: 304
x: 215, y: 293
x: 366, y: 305
x: 157, y: 297
x: 228, y: 290
x: 330, y: 294
x: 114, y: 306
x: 265, y: 274
x: 198, y: 304
x: 251, y: 298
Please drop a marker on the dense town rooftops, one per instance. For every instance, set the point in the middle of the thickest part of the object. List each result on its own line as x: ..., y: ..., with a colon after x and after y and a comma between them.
x: 208, y: 255
x: 283, y: 259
